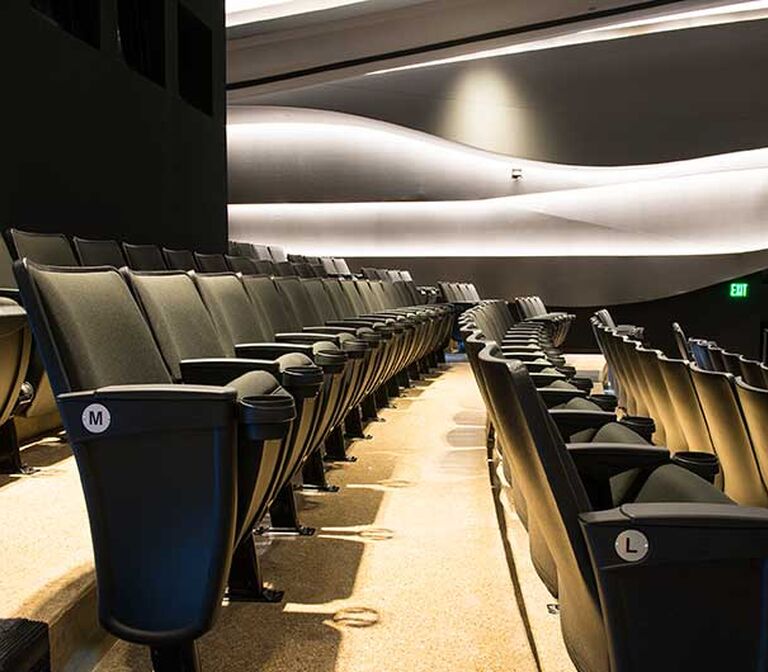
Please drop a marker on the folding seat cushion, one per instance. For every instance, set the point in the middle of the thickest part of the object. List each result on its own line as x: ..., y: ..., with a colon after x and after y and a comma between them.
x: 144, y: 257
x: 130, y: 427
x: 211, y: 263
x: 619, y: 568
x: 244, y: 265
x: 99, y: 252
x: 43, y: 248
x: 744, y: 470
x: 179, y: 260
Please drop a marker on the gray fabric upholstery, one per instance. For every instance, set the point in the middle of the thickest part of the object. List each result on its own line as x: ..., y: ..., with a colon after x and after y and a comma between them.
x: 182, y: 325
x: 580, y: 404
x: 99, y: 252
x: 144, y: 257
x: 615, y: 432
x: 253, y: 384
x: 44, y: 248
x: 671, y: 483
x: 231, y: 309
x: 271, y: 306
x: 116, y: 347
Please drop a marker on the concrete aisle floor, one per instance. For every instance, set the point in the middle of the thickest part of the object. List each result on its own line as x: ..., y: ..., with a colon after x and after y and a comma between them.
x: 407, y: 570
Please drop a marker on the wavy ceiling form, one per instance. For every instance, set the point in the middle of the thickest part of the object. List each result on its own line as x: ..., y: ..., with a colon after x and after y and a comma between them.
x: 324, y: 182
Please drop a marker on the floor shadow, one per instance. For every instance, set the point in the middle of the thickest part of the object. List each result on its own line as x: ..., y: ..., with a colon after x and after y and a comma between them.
x: 468, y: 436
x: 470, y: 417
x: 46, y: 453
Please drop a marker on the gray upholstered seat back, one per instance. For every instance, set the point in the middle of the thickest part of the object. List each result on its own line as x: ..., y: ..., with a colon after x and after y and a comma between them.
x: 99, y: 252
x: 179, y: 260
x: 231, y: 309
x: 101, y: 336
x: 144, y: 257
x: 43, y: 248
x: 178, y: 317
x: 270, y: 306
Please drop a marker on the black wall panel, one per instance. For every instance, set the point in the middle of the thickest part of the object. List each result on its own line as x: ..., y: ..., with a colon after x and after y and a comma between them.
x: 95, y: 148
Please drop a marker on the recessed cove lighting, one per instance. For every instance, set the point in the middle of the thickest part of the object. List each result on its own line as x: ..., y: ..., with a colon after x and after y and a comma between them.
x: 251, y: 11
x: 731, y: 13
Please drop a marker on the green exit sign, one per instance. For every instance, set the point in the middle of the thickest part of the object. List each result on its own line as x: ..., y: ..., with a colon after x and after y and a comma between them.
x: 739, y: 290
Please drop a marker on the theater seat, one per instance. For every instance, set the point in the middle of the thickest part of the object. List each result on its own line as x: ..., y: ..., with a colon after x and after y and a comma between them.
x: 144, y: 257
x: 197, y: 353
x: 614, y: 592
x: 99, y: 252
x: 179, y: 260
x: 244, y: 265
x: 164, y: 467
x: 744, y: 470
x: 44, y: 248
x: 211, y: 263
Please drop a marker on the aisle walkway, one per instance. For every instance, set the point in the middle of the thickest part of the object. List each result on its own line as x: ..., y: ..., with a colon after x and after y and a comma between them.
x: 407, y: 571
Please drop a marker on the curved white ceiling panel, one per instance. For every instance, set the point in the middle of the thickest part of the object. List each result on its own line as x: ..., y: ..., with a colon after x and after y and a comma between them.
x: 383, y: 190
x: 282, y: 154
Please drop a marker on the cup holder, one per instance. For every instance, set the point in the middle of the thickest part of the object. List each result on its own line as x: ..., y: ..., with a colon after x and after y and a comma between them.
x: 303, y: 381
x: 266, y: 416
x: 607, y: 402
x: 705, y: 465
x: 643, y: 426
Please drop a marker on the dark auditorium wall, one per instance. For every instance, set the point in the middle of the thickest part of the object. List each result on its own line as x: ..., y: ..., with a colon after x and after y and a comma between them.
x: 92, y: 147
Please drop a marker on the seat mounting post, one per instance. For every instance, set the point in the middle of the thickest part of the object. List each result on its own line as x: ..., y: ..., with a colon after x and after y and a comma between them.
x: 181, y: 657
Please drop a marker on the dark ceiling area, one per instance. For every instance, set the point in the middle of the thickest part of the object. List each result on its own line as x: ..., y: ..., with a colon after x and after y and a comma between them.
x: 646, y: 99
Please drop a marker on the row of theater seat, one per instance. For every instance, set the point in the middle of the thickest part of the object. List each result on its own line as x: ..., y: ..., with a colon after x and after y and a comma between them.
x: 716, y: 411
x: 654, y: 567
x: 709, y: 356
x: 458, y: 292
x: 195, y: 403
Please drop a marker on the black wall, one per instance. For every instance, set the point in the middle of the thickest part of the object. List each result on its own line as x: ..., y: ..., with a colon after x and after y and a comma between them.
x: 93, y: 147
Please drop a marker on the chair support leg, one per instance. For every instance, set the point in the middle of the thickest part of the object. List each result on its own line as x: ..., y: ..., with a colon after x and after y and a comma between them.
x: 284, y: 515
x: 353, y: 425
x: 336, y: 448
x: 10, y: 457
x: 180, y: 657
x: 393, y: 389
x: 313, y: 474
x: 368, y: 406
x: 245, y: 583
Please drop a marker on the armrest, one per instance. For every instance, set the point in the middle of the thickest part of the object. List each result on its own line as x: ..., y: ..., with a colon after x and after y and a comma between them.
x: 222, y: 370
x: 306, y: 337
x: 569, y: 421
x: 123, y: 410
x: 708, y: 557
x: 272, y: 350
x: 544, y: 379
x: 553, y: 396
x: 603, y: 460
